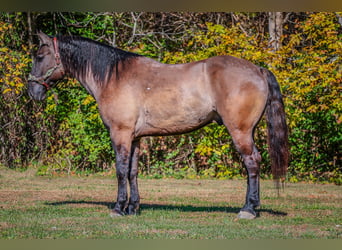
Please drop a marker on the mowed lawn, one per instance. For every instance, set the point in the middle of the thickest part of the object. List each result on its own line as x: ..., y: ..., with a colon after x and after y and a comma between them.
x: 33, y: 207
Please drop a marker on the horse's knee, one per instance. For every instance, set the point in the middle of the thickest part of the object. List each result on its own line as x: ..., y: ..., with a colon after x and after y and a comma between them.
x: 122, y: 163
x: 121, y: 172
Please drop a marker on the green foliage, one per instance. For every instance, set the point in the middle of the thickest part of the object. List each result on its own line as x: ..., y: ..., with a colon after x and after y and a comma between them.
x: 83, y: 142
x: 15, y: 132
x: 311, y: 77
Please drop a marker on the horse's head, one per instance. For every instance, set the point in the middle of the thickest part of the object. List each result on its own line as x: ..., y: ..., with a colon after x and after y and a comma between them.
x: 47, y: 68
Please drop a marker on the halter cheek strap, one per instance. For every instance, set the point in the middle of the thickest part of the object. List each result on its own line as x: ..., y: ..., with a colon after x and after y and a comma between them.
x: 42, y: 79
x: 57, y: 56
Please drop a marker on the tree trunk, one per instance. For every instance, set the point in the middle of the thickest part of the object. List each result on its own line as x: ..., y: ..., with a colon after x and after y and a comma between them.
x: 275, y: 28
x: 30, y: 33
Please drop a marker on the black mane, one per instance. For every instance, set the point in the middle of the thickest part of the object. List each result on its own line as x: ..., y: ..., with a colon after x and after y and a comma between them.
x: 79, y: 54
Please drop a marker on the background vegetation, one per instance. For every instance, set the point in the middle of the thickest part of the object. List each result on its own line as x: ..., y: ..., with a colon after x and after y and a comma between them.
x: 65, y: 133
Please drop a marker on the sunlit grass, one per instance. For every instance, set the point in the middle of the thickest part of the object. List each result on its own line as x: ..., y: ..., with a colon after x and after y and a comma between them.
x: 78, y: 207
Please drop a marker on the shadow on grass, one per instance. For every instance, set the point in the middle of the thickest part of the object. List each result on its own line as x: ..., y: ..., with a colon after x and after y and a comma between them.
x: 181, y: 208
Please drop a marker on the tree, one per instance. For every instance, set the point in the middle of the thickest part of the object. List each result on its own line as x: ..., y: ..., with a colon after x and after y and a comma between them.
x: 276, y: 21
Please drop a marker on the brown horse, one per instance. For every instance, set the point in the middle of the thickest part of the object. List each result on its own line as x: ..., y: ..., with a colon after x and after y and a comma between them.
x: 138, y: 97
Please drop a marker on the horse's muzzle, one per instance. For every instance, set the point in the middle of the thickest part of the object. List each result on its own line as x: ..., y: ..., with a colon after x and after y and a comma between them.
x: 36, y: 91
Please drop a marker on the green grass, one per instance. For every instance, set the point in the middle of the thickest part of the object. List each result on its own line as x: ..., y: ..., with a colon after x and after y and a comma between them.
x: 34, y: 207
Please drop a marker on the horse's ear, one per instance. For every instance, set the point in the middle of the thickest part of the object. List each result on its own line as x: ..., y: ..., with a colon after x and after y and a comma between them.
x: 44, y: 39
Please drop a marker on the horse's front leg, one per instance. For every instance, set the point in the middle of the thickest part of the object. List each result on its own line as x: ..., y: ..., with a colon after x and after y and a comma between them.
x: 134, y: 200
x: 122, y: 141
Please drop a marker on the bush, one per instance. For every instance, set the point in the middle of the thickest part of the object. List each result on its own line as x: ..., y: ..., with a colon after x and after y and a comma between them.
x: 18, y: 141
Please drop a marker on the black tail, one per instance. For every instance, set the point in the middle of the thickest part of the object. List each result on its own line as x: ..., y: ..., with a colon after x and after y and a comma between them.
x: 277, y: 128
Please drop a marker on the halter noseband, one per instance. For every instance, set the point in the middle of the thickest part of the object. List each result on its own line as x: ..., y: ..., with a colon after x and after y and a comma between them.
x: 41, y: 80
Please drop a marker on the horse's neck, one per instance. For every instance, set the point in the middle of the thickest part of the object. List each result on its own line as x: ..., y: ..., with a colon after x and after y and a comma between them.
x: 87, y: 81
x: 90, y: 85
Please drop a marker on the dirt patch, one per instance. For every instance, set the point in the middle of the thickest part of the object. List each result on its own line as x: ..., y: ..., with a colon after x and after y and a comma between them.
x: 6, y: 225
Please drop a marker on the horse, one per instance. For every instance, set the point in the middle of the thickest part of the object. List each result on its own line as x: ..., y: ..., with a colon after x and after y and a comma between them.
x: 138, y: 96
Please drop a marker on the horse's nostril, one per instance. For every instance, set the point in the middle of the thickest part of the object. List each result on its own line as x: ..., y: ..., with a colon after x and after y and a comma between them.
x: 36, y: 91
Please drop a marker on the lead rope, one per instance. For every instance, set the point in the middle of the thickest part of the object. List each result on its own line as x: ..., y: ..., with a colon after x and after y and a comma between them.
x: 58, y: 62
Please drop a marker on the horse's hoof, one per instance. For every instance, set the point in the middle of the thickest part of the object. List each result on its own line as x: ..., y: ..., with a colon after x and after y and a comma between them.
x: 114, y: 214
x: 131, y: 210
x: 246, y: 215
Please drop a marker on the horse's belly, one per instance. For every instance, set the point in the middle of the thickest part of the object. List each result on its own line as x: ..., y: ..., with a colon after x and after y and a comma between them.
x: 170, y: 108
x: 161, y: 120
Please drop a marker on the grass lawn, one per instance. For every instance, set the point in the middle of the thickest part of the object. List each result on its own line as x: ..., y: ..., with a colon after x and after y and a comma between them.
x: 33, y: 207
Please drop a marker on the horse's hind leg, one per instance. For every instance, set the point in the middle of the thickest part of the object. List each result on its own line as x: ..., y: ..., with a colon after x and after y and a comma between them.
x: 251, y: 157
x: 240, y: 115
x: 240, y: 109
